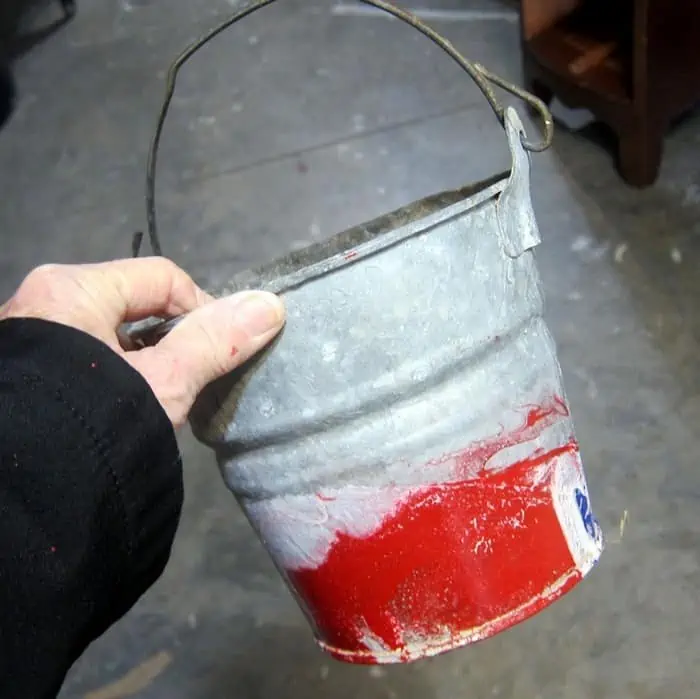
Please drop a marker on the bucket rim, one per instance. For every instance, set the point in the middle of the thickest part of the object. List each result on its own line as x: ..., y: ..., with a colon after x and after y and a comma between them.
x: 359, y: 242
x: 299, y: 267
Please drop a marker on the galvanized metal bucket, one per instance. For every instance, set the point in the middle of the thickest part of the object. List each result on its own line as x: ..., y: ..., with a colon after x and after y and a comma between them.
x: 405, y: 450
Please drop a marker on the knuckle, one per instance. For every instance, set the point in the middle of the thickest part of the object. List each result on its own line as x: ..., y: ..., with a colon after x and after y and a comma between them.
x: 40, y: 273
x: 42, y: 278
x: 176, y: 273
x: 169, y: 268
x: 46, y: 271
x: 213, y: 344
x: 170, y: 264
x: 38, y: 289
x: 168, y: 378
x: 172, y: 377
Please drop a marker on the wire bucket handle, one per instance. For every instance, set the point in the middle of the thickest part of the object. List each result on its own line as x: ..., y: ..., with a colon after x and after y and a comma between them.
x: 480, y: 75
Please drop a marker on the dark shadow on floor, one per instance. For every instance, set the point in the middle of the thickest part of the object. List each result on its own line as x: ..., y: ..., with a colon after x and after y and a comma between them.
x: 600, y: 135
x: 16, y: 39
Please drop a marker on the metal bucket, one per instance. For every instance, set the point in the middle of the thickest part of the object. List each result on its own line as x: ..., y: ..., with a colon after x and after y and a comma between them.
x: 404, y: 449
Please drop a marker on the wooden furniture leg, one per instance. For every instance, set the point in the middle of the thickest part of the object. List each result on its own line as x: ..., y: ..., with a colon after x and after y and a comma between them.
x: 632, y: 63
x: 640, y: 150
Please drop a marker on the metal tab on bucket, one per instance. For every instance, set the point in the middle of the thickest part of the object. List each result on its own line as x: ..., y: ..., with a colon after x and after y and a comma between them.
x: 405, y: 449
x: 516, y: 217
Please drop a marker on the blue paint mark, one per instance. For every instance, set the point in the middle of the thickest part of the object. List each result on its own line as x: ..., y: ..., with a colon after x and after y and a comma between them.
x: 589, y: 521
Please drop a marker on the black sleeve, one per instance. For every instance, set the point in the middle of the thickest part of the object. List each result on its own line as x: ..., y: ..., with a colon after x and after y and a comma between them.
x: 90, y: 498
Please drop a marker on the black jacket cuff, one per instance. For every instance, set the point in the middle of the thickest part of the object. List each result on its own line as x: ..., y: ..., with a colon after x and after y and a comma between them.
x: 90, y: 488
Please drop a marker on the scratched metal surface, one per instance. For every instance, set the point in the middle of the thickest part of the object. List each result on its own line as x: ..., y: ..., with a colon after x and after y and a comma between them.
x: 334, y: 136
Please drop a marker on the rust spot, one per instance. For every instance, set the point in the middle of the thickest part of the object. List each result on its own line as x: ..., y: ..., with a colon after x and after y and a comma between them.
x: 302, y: 167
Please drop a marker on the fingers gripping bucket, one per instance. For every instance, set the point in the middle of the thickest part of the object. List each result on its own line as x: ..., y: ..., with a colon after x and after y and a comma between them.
x: 405, y: 450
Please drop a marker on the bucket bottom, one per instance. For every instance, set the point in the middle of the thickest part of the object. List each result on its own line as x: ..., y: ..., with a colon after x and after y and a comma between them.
x: 436, y: 644
x: 455, y: 562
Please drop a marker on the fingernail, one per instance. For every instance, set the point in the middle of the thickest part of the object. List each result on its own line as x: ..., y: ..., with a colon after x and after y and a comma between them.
x: 257, y: 311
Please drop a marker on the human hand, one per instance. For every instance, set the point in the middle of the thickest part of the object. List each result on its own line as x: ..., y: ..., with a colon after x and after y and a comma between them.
x: 212, y: 340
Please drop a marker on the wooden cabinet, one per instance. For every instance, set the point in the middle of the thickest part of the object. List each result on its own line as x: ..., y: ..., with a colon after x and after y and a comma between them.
x: 634, y: 63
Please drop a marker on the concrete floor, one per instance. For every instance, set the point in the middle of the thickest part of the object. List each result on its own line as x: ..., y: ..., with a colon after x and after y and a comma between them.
x: 295, y: 125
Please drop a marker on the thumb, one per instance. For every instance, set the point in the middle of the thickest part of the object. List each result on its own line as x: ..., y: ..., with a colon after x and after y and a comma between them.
x: 209, y: 342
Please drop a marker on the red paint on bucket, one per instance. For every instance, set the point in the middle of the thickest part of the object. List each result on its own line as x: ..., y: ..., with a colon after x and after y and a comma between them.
x: 454, y: 563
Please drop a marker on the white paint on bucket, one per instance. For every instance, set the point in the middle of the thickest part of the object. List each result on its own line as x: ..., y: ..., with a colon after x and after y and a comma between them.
x: 299, y: 530
x: 572, y: 505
